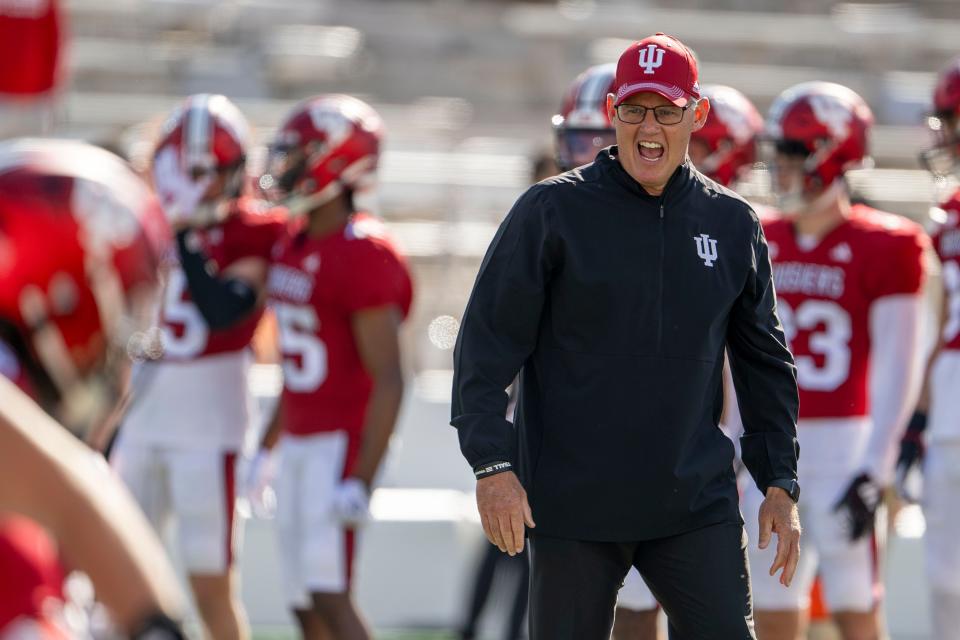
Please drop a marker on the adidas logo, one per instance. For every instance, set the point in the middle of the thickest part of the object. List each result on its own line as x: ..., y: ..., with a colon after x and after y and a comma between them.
x: 841, y: 253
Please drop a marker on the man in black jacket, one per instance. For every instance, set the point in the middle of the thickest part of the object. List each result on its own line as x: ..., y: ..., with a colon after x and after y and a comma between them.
x: 614, y: 289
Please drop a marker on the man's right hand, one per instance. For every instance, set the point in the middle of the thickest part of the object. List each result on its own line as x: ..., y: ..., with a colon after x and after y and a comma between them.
x: 504, y: 511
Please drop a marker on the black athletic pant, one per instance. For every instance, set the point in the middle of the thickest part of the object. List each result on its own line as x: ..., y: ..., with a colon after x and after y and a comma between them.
x: 700, y: 578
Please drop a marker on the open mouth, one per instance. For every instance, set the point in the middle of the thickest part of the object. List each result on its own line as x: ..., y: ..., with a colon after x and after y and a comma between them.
x: 650, y: 151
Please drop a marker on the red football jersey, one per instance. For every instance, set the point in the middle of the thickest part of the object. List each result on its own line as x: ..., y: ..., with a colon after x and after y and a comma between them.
x: 29, y: 46
x: 315, y: 286
x: 824, y: 297
x: 31, y: 570
x: 946, y: 241
x: 250, y: 230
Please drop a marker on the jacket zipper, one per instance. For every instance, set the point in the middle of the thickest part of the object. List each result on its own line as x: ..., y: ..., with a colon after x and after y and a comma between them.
x: 660, y: 312
x: 660, y: 285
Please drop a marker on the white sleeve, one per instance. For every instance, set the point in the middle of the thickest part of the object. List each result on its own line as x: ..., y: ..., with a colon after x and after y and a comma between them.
x: 895, y: 376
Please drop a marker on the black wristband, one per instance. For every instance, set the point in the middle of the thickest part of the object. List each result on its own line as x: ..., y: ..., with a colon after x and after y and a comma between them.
x: 158, y: 626
x: 492, y: 469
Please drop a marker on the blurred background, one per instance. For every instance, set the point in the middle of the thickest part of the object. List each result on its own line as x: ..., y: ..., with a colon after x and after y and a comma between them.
x: 467, y: 90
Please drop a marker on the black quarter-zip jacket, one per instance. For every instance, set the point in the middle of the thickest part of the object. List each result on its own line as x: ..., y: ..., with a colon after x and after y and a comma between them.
x: 616, y: 306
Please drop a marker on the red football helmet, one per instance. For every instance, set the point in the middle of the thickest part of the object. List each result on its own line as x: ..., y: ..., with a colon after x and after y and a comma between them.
x: 824, y: 127
x: 583, y: 125
x: 944, y: 157
x: 80, y: 240
x: 328, y: 145
x: 726, y: 145
x: 205, y: 136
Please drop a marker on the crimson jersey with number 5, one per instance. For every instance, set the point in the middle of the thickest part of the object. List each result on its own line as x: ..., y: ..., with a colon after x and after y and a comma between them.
x: 249, y: 231
x: 824, y: 296
x: 315, y: 286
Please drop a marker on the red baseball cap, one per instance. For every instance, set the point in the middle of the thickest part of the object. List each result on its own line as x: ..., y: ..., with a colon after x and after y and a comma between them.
x: 661, y: 64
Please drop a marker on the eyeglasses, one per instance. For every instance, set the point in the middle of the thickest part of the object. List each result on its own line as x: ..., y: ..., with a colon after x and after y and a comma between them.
x: 664, y: 114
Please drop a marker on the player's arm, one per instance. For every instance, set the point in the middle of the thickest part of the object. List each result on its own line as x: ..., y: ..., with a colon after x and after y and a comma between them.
x: 48, y: 476
x: 923, y: 402
x: 895, y: 378
x: 912, y: 444
x: 272, y: 433
x: 376, y: 333
x: 895, y: 316
x: 222, y: 299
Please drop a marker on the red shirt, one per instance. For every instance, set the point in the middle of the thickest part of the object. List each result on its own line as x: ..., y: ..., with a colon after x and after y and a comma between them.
x: 29, y: 46
x: 250, y: 230
x: 315, y: 287
x: 824, y: 297
x: 946, y: 242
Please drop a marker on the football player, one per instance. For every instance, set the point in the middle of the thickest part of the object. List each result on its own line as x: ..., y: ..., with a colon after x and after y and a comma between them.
x: 940, y: 399
x: 339, y: 289
x: 79, y: 248
x: 725, y: 148
x: 848, y: 282
x: 185, y: 426
x: 583, y: 127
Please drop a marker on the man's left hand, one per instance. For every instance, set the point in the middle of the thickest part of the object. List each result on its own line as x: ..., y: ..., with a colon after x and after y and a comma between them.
x: 779, y: 514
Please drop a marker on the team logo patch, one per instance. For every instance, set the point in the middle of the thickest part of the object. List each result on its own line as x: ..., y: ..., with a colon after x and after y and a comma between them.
x: 706, y: 249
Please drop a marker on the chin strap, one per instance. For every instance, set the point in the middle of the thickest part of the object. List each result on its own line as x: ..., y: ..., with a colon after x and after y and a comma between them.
x: 299, y: 205
x: 799, y: 203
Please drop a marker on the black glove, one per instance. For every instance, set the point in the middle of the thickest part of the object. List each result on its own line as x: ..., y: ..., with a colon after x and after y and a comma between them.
x: 912, y: 451
x: 158, y: 626
x: 859, y: 505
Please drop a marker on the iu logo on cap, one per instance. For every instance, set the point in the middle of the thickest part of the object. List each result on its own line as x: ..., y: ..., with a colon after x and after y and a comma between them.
x: 650, y: 58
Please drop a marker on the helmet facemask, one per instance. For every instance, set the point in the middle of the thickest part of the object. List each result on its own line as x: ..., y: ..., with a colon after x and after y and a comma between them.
x: 577, y: 147
x: 795, y: 176
x: 288, y: 182
x: 943, y: 158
